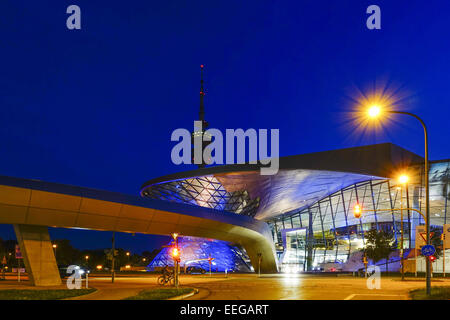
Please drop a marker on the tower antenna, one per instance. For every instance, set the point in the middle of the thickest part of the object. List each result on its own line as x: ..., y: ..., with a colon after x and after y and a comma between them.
x: 202, y: 95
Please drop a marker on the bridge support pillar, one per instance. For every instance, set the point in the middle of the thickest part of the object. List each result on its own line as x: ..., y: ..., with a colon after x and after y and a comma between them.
x: 266, y: 262
x: 38, y: 255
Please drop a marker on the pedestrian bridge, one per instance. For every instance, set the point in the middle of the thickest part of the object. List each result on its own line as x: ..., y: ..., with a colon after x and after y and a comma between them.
x: 32, y: 206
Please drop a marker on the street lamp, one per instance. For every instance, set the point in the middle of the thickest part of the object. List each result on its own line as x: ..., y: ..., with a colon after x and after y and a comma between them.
x: 54, y: 247
x: 375, y: 111
x: 403, y: 179
x: 357, y: 211
x: 176, y: 256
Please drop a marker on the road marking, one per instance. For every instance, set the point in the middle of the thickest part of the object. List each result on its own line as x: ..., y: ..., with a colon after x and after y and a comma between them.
x: 350, y: 297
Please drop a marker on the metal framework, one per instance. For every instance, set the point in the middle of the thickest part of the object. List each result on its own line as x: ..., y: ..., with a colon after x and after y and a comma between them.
x: 204, y: 191
x: 194, y: 252
x: 337, y: 234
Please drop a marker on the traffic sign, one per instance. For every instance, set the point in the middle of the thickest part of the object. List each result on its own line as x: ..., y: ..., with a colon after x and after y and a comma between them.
x: 428, y: 250
x: 18, y: 253
x: 421, y: 236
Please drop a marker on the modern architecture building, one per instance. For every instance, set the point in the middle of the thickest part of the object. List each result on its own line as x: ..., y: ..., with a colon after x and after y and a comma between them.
x: 203, y: 255
x: 298, y: 219
x: 294, y: 220
x: 308, y: 204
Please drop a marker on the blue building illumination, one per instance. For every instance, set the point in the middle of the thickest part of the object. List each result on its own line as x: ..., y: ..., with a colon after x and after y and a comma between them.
x: 195, y: 252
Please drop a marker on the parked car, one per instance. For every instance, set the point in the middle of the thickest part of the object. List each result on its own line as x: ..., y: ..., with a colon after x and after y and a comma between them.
x: 82, y: 270
x: 194, y: 269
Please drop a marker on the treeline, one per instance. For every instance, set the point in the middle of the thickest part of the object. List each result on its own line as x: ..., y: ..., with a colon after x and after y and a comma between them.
x: 66, y: 255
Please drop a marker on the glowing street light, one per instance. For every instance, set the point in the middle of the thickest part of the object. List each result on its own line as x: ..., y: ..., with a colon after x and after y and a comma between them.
x: 403, y: 179
x: 176, y: 256
x: 357, y: 211
x: 374, y: 111
x: 175, y: 253
x: 54, y: 247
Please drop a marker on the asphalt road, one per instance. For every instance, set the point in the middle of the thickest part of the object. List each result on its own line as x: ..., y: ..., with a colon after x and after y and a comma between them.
x: 252, y: 287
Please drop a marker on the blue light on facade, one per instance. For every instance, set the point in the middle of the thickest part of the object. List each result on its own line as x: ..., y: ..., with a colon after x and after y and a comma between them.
x: 195, y: 252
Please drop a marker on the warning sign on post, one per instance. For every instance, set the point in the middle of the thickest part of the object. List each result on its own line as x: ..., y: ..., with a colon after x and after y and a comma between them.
x: 18, y: 253
x: 421, y: 236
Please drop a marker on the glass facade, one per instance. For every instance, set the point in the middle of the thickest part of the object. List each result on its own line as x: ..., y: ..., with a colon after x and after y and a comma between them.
x: 204, y: 191
x: 325, y: 231
x: 195, y: 252
x: 328, y: 232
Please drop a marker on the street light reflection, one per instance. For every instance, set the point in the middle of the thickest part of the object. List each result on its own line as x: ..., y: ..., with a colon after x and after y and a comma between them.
x: 291, y: 280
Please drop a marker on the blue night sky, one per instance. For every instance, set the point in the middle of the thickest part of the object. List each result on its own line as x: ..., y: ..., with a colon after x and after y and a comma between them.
x: 96, y: 107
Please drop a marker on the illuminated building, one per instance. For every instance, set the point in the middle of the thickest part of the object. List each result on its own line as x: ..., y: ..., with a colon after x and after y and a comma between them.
x: 308, y: 204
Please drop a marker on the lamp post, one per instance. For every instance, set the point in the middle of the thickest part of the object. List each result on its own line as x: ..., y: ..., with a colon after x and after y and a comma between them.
x: 176, y: 257
x: 375, y: 112
x: 403, y: 180
x: 54, y: 247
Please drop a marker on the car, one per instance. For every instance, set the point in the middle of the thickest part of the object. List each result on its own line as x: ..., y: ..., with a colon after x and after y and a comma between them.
x: 194, y: 269
x: 318, y: 269
x: 82, y: 270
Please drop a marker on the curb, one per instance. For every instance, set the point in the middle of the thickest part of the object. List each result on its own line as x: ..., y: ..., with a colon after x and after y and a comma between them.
x: 184, y: 296
x: 83, y: 295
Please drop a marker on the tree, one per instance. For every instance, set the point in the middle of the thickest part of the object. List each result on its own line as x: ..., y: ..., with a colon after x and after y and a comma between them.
x: 379, y: 245
x: 66, y: 254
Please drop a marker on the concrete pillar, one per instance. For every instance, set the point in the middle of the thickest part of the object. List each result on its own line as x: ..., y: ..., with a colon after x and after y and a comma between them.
x: 38, y: 255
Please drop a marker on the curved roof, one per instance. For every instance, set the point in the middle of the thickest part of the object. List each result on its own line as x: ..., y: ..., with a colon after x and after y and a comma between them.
x: 304, y: 179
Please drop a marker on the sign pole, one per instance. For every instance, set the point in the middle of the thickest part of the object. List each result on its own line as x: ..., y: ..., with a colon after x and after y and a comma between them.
x: 443, y: 250
x: 415, y: 260
x: 113, y: 240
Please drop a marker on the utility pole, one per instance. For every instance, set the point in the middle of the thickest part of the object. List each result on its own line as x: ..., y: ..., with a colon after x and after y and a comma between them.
x: 259, y: 264
x: 113, y: 240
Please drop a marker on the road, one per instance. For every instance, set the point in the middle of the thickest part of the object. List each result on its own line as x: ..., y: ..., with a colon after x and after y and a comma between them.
x: 306, y: 287
x: 252, y: 287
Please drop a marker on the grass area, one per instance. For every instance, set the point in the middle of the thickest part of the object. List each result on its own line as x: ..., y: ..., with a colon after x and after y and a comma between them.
x: 437, y: 293
x: 160, y: 294
x: 37, y: 294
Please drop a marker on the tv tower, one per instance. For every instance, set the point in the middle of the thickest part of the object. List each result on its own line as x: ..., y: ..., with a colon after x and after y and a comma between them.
x: 201, y: 116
